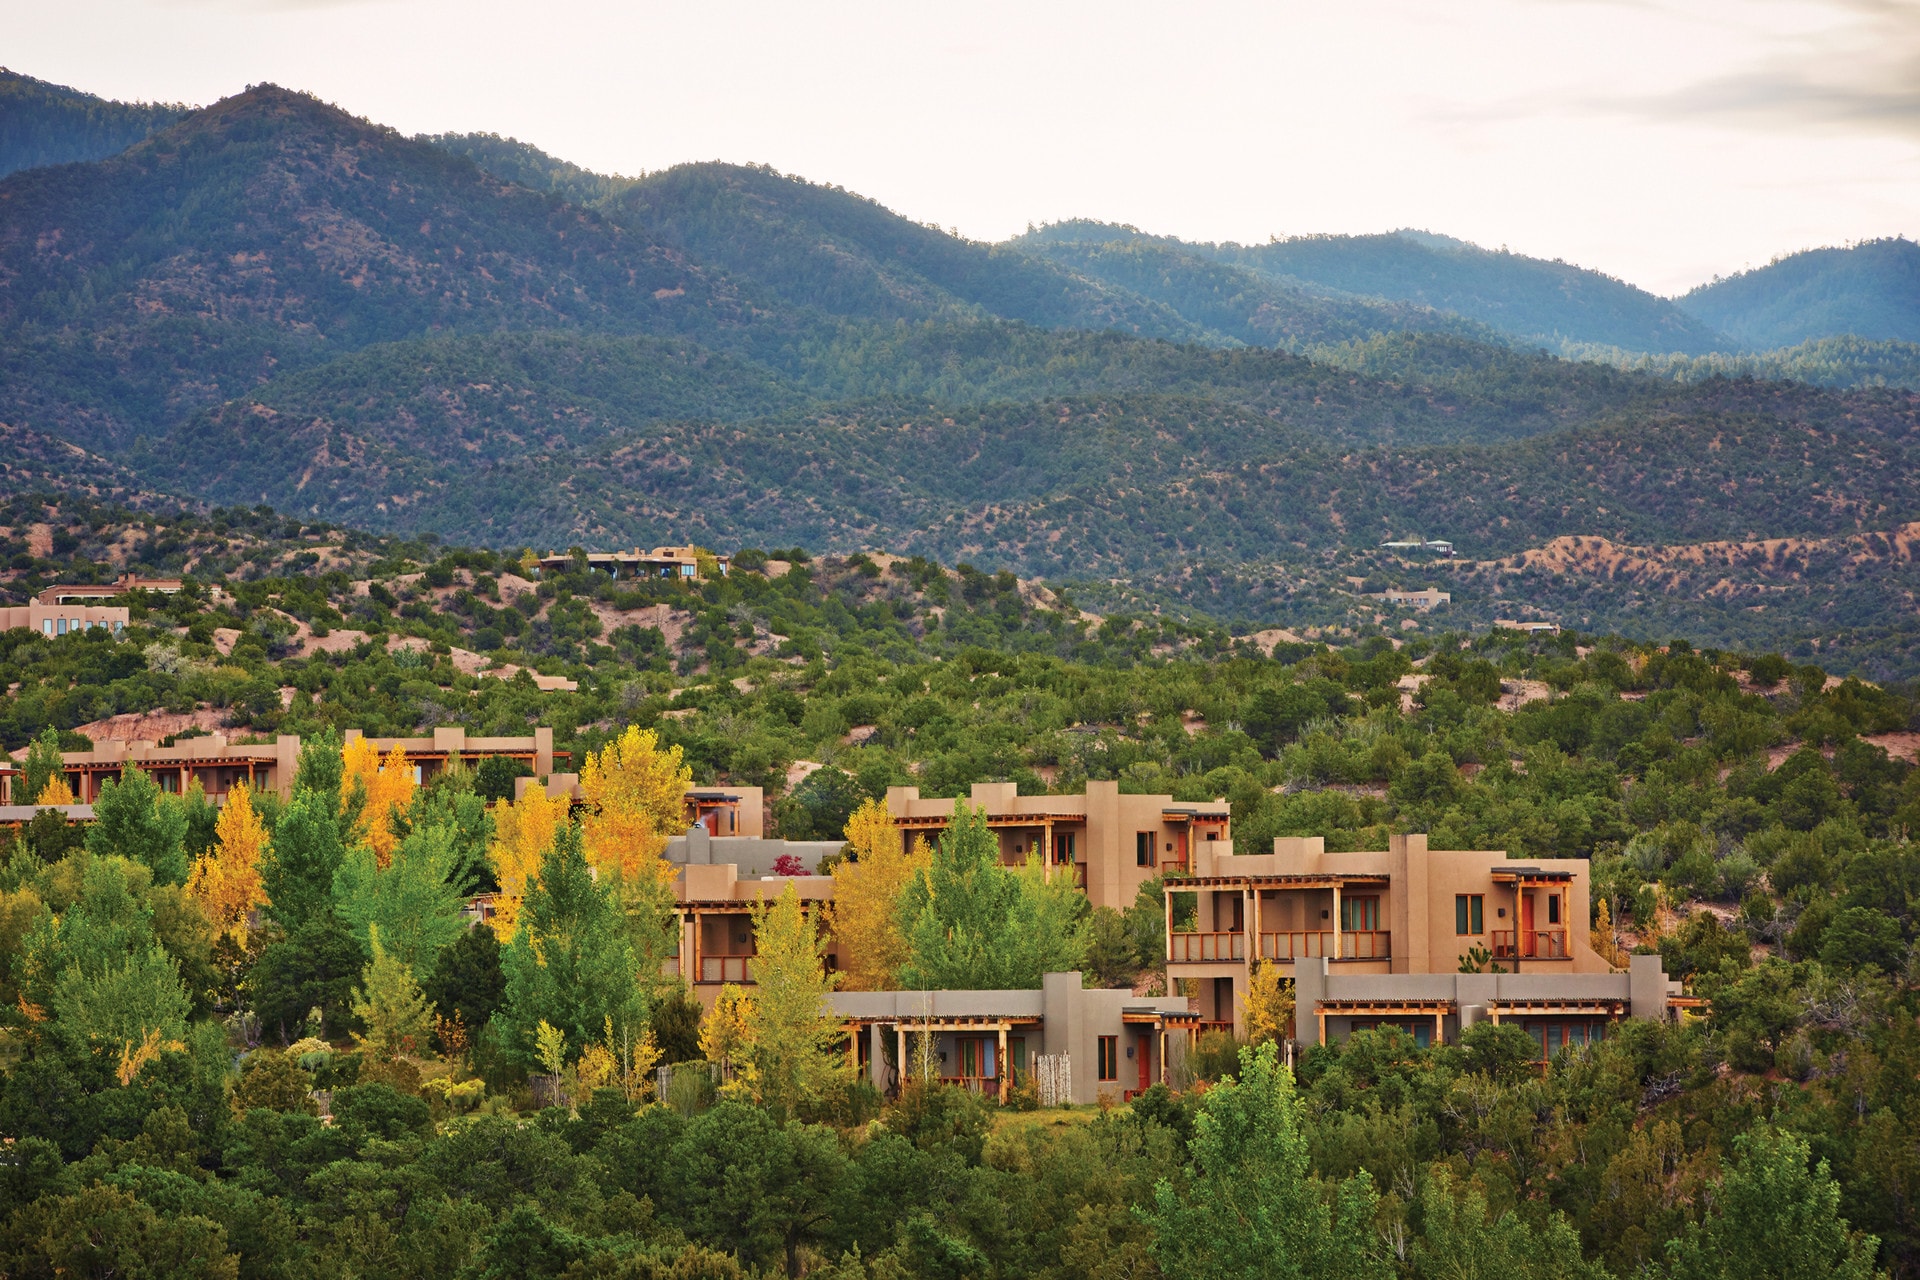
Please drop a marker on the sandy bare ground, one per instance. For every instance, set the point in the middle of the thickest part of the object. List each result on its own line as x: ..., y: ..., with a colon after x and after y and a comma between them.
x: 151, y: 726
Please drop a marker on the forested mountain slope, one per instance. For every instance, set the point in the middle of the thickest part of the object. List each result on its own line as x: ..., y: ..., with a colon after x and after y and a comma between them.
x: 823, y: 247
x: 271, y: 231
x: 1869, y: 290
x: 43, y: 124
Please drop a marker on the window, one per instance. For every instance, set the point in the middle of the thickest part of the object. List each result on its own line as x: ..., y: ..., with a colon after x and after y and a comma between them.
x: 1143, y: 850
x: 1062, y: 846
x: 1109, y: 1058
x: 1469, y: 913
x: 1017, y: 1055
x: 1553, y: 909
x: 1359, y: 915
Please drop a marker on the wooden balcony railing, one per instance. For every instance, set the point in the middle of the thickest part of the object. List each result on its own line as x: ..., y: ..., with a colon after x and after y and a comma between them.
x: 1201, y: 947
x: 725, y: 969
x: 1310, y: 944
x: 1529, y: 944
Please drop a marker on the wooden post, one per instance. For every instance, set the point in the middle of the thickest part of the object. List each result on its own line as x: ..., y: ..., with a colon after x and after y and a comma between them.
x: 1000, y: 1063
x: 1439, y: 1027
x: 901, y: 1061
x: 697, y: 975
x: 1258, y: 933
x: 1321, y: 1015
x: 1336, y: 925
x: 1166, y: 892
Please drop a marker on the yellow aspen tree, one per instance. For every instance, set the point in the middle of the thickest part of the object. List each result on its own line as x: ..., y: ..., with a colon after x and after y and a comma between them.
x: 388, y: 786
x: 636, y: 795
x: 865, y: 916
x: 226, y: 880
x: 522, y: 833
x: 794, y: 1040
x: 1269, y: 1005
x: 723, y: 1032
x: 56, y: 791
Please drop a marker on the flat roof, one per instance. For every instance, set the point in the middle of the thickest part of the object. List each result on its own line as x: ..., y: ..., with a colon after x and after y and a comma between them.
x: 1326, y: 881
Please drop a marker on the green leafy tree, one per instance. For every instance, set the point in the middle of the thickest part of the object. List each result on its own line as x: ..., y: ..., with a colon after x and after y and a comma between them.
x: 412, y: 901
x: 972, y: 923
x: 98, y: 969
x: 305, y: 856
x: 1775, y: 1216
x: 42, y: 765
x: 467, y: 981
x: 569, y: 964
x: 314, y: 967
x: 1459, y: 1240
x: 793, y: 1038
x: 1248, y: 1206
x: 134, y: 819
x: 747, y: 1183
x: 390, y: 1004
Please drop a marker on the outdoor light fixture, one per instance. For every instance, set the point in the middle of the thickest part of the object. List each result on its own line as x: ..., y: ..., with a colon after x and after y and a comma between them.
x: 1129, y: 1051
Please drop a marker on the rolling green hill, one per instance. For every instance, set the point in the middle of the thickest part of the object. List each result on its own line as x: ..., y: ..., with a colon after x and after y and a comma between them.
x: 1869, y: 290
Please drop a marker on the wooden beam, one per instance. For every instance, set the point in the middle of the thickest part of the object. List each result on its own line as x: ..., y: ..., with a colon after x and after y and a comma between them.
x: 1000, y: 1063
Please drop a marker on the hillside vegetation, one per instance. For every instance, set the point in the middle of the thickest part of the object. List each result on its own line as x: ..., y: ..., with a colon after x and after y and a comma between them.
x: 164, y: 1057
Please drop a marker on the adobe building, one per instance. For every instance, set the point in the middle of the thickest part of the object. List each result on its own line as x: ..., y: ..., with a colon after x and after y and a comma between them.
x: 217, y: 761
x: 661, y: 562
x: 1111, y: 843
x: 429, y: 755
x: 1116, y: 1043
x: 213, y: 760
x: 1379, y: 938
x: 52, y: 619
x: 717, y: 903
x: 83, y: 592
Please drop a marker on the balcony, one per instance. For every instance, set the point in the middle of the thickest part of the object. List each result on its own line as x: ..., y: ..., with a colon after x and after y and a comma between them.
x: 725, y: 968
x: 1205, y: 948
x: 1312, y: 944
x: 1529, y: 944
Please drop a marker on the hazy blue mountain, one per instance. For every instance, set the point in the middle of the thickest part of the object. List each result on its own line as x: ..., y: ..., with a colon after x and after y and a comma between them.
x: 1869, y: 290
x: 1240, y: 302
x: 1552, y: 303
x: 42, y: 124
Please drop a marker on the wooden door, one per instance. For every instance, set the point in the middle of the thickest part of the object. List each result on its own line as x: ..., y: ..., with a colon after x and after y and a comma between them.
x: 1526, y: 924
x: 1144, y: 1051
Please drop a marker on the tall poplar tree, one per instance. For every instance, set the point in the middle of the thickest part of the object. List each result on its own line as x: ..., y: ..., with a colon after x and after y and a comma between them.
x: 569, y: 964
x: 793, y: 1038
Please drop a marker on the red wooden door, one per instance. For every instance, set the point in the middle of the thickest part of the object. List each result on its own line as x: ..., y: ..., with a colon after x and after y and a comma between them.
x: 1526, y: 924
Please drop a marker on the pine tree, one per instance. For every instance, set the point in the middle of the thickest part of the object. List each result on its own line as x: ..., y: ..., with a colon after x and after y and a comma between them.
x: 867, y: 894
x: 391, y: 1004
x: 793, y: 1038
x: 226, y: 882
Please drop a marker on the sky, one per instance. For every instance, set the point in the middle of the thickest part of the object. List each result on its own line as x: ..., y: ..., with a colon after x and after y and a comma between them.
x: 1663, y: 143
